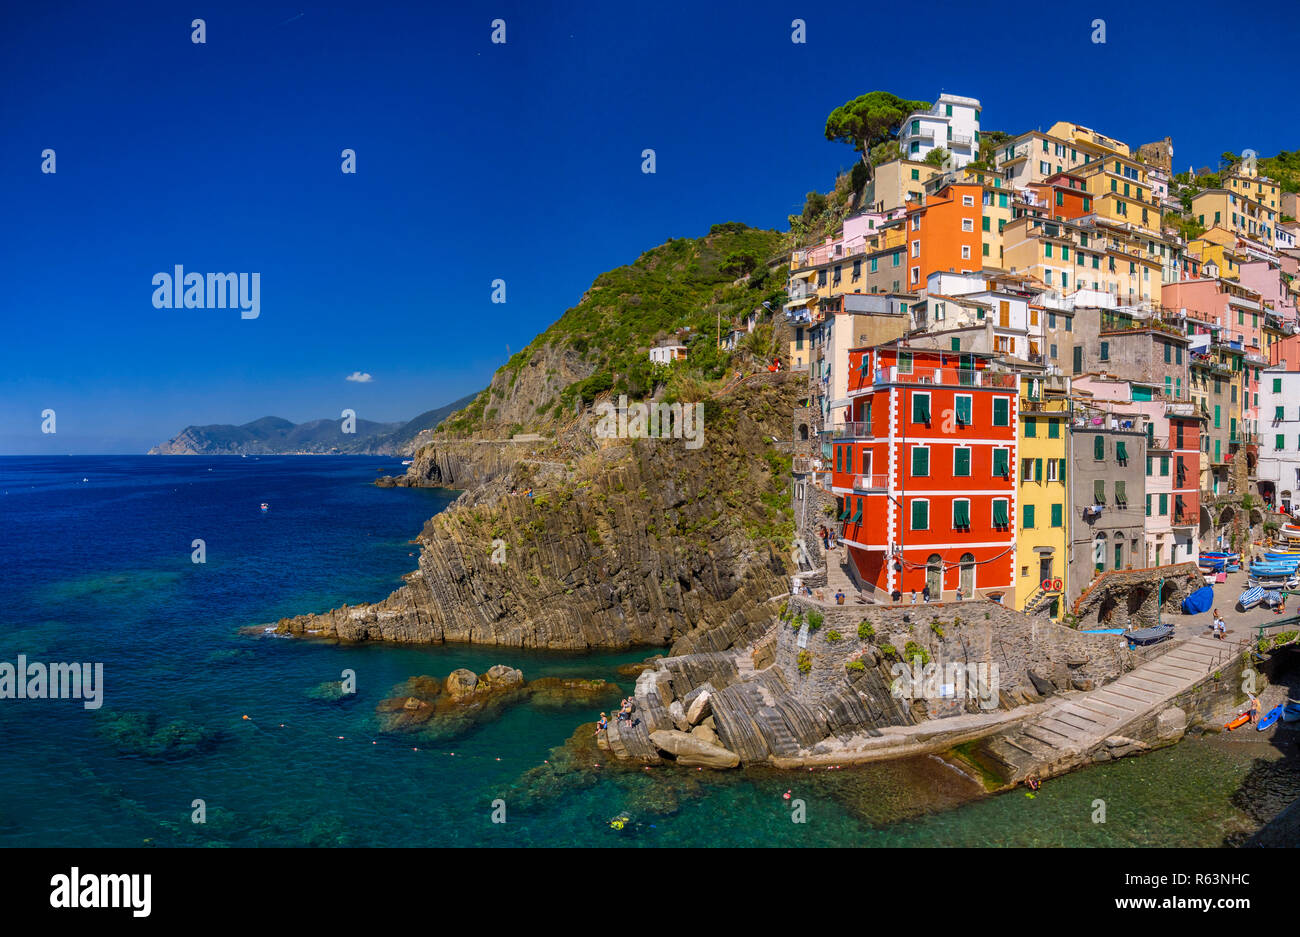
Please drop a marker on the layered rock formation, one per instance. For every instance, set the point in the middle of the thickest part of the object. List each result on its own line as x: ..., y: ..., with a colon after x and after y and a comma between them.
x: 623, y: 542
x: 442, y: 709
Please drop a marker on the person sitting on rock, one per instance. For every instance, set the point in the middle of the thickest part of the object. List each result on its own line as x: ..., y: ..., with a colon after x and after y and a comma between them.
x: 602, y: 724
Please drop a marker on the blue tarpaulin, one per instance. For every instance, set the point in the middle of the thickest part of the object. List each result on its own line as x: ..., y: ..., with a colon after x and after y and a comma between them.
x: 1199, y: 601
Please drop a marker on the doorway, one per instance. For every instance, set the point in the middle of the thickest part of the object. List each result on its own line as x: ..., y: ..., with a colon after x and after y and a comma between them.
x: 934, y: 576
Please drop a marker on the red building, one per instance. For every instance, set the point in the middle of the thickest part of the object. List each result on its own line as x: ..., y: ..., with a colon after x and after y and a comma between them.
x: 924, y: 472
x: 1185, y: 446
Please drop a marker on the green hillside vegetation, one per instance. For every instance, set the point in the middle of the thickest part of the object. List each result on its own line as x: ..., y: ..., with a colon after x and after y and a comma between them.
x: 686, y: 283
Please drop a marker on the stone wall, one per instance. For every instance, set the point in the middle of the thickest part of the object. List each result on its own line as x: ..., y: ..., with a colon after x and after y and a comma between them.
x: 973, y: 632
x: 1133, y: 597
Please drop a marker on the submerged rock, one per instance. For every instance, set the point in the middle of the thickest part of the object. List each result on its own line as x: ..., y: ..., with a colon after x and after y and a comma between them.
x: 147, y: 736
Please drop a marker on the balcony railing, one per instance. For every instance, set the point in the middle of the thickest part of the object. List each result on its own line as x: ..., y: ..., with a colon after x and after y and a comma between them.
x: 860, y: 430
x: 870, y: 482
x: 960, y: 377
x: 961, y: 139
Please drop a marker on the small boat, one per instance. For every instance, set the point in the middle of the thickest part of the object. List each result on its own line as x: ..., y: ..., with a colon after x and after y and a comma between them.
x: 1145, y: 636
x: 406, y: 461
x: 1101, y: 631
x: 1250, y: 598
x: 265, y: 507
x: 1239, y: 721
x: 1272, y: 598
x: 1291, y: 711
x: 1273, y: 716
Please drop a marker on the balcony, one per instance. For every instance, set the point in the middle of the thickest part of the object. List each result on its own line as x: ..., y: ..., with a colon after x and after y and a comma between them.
x: 924, y: 136
x: 954, y: 378
x: 1180, y: 409
x: 870, y: 482
x: 961, y: 139
x: 802, y: 465
x: 859, y: 430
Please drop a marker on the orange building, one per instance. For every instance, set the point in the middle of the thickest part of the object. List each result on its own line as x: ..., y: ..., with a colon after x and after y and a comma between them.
x: 943, y: 234
x: 1062, y: 196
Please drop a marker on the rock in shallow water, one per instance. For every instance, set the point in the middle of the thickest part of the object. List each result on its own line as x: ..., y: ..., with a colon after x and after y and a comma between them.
x: 693, y: 751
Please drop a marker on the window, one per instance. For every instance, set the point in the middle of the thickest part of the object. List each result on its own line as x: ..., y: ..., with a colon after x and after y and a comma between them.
x: 968, y: 224
x: 963, y: 402
x: 1164, y: 466
x: 920, y: 514
x: 967, y: 201
x: 916, y: 174
x: 1277, y: 385
x: 920, y: 408
x: 904, y: 361
x: 920, y: 461
x: 1105, y: 351
x: 1164, y: 505
x: 1031, y: 427
x: 1058, y: 515
x: 1027, y: 516
x: 961, y: 461
x: 1099, y: 448
x: 1002, y: 462
x: 916, y: 248
x: 961, y: 514
x: 965, y: 252
x: 1001, y: 411
x: 1099, y: 491
x: 1053, y: 426
x: 1001, y: 516
x: 984, y: 223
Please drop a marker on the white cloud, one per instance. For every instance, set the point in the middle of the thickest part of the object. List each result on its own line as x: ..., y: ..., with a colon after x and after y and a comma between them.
x: 360, y: 377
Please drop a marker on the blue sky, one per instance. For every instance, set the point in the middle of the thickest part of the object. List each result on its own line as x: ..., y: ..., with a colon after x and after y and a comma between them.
x: 476, y: 161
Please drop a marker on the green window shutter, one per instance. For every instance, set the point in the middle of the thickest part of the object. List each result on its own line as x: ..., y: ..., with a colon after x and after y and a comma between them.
x: 1061, y: 474
x: 984, y: 223
x: 1164, y: 465
x: 963, y: 407
x: 1057, y: 513
x: 1148, y: 505
x: 1105, y: 351
x: 1001, y: 411
x: 1098, y: 448
x: 1121, y: 496
x: 1216, y: 416
x: 1038, y: 470
x: 1098, y: 491
x: 1277, y: 385
x: 839, y: 467
x: 1164, y: 505
x: 857, y: 514
x: 1031, y: 427
x: 960, y: 514
x: 920, y: 515
x: 1121, y: 451
x: 1028, y: 519
x: 848, y: 459
x: 1278, y: 413
x: 961, y: 461
x: 920, y: 462
x: 956, y: 344
x: 1053, y: 429
x: 1001, y: 462
x: 1279, y: 442
x: 848, y: 508
x: 920, y: 408
x: 1000, y: 512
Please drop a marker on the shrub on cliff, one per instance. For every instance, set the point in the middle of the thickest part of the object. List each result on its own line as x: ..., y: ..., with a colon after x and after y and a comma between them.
x: 913, y: 651
x: 866, y: 631
x: 815, y: 619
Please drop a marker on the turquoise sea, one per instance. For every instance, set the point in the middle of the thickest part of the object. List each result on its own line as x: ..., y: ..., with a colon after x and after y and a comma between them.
x: 95, y: 565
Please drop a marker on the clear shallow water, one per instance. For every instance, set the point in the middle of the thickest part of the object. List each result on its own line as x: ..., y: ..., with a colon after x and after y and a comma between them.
x: 101, y: 571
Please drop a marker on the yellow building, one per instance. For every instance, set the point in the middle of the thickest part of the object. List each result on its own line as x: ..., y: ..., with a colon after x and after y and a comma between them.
x: 1043, y: 497
x: 1237, y: 212
x: 893, y: 183
x: 1121, y: 192
x: 1219, y: 247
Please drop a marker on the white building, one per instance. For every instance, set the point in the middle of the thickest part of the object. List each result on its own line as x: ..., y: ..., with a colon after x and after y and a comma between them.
x: 952, y: 124
x: 667, y: 354
x: 1284, y: 235
x: 1279, y: 436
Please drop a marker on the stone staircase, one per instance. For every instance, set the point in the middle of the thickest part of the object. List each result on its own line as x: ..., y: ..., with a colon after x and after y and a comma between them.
x: 1081, y: 721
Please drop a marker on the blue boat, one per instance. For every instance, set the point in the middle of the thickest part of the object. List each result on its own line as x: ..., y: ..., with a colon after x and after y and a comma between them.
x: 1291, y: 711
x: 1250, y: 598
x: 1273, y: 716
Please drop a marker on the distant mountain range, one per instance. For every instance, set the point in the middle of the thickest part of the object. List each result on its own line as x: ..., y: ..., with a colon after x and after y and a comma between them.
x: 272, y: 435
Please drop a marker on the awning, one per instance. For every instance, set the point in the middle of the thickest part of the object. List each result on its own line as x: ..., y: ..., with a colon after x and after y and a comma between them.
x: 803, y: 274
x: 1098, y: 491
x: 1120, y: 497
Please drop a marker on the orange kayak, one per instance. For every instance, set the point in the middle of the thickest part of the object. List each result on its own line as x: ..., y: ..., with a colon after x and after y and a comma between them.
x: 1239, y: 721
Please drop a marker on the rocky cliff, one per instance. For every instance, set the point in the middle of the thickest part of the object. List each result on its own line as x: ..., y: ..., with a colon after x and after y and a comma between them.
x: 623, y: 542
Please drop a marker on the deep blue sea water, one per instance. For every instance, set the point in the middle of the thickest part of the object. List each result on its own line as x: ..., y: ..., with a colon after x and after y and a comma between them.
x: 100, y: 570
